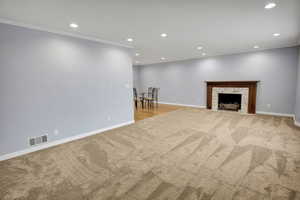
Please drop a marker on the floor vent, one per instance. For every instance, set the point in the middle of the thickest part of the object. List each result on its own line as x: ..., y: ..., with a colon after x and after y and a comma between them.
x: 38, y: 140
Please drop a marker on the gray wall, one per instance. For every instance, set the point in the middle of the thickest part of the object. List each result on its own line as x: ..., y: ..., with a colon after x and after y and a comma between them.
x: 136, y: 77
x: 183, y: 82
x: 51, y: 82
x: 297, y: 108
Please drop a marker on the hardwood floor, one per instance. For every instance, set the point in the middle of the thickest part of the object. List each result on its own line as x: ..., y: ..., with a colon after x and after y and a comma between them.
x: 141, y: 114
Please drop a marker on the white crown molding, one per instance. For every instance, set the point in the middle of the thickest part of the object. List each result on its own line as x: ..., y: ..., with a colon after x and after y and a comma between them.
x: 141, y: 64
x: 178, y: 104
x: 61, y: 141
x: 65, y: 33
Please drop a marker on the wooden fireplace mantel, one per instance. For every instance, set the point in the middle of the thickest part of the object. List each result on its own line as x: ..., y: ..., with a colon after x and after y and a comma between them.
x: 252, y: 85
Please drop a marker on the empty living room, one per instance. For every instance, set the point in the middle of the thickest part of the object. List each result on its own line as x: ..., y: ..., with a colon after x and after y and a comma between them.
x: 150, y: 100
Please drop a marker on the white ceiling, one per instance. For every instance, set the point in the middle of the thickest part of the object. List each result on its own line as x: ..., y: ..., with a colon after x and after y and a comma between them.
x: 220, y: 26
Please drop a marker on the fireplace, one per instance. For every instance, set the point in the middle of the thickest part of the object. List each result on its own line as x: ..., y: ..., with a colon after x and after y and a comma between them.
x: 230, y: 102
x: 232, y: 95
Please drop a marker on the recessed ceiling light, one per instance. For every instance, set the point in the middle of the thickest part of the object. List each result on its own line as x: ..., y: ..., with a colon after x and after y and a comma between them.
x: 203, y: 54
x: 163, y: 58
x: 129, y: 39
x: 137, y: 54
x: 73, y: 25
x: 256, y: 47
x: 270, y: 5
x: 199, y: 47
x: 276, y: 34
x: 163, y: 35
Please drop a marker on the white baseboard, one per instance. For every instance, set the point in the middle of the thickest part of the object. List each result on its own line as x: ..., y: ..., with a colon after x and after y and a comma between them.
x: 178, y: 104
x: 296, y: 122
x: 61, y: 141
x: 257, y: 112
x: 281, y: 115
x: 275, y: 114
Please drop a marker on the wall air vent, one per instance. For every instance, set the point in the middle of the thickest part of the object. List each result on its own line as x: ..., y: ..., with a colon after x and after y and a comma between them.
x: 38, y: 140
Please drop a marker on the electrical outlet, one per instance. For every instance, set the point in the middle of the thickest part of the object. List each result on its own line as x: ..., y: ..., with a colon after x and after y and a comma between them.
x: 38, y: 140
x: 269, y: 105
x: 56, y: 132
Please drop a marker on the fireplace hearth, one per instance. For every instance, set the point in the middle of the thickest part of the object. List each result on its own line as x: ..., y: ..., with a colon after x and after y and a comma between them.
x: 230, y: 102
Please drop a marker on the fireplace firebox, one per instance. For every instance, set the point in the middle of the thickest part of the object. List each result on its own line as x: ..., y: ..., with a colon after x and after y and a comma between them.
x: 230, y: 102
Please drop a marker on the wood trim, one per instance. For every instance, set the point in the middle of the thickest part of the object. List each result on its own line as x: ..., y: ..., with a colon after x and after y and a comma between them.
x: 252, y: 85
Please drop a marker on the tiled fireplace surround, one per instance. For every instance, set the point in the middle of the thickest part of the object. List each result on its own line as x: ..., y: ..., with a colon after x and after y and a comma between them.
x: 243, y: 91
x: 246, y: 88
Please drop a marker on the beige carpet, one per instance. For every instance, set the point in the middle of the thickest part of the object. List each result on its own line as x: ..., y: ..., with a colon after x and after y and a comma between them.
x: 186, y: 154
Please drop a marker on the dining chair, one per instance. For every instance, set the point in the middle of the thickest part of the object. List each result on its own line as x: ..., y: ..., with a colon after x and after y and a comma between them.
x: 150, y: 92
x: 151, y: 98
x: 156, y: 96
x: 135, y: 97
